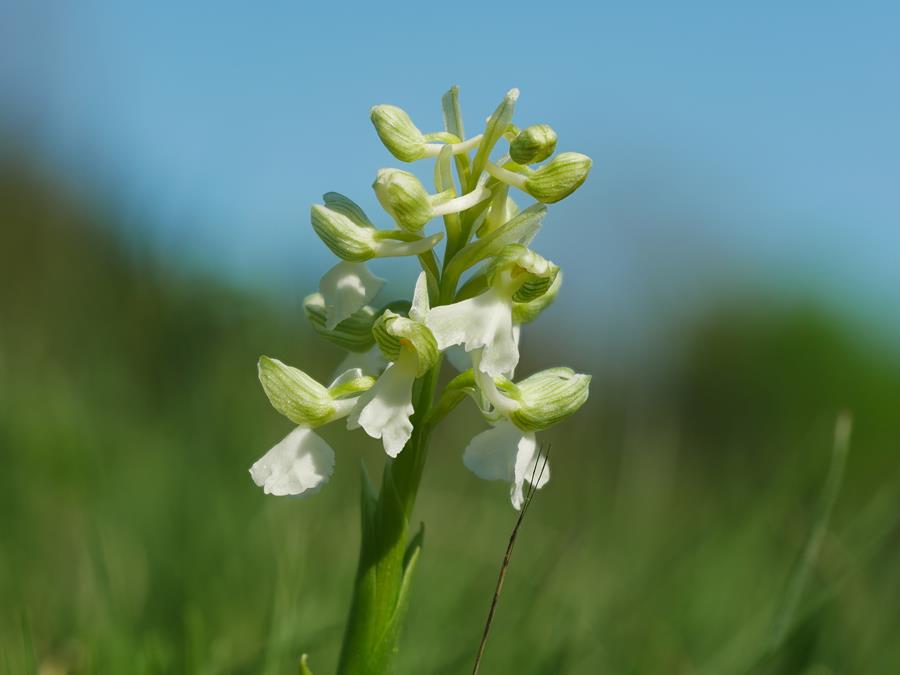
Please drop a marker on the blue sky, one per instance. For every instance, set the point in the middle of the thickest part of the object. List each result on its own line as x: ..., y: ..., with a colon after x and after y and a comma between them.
x: 758, y: 142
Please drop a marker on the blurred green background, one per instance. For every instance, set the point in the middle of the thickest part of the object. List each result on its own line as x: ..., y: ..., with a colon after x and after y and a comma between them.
x: 133, y: 540
x: 731, y: 283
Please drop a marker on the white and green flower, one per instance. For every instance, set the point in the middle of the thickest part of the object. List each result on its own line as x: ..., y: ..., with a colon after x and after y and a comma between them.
x: 485, y: 322
x: 508, y: 450
x: 384, y: 411
x: 344, y: 227
x: 302, y: 462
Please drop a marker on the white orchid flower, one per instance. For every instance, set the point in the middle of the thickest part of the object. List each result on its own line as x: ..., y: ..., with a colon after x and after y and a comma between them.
x: 302, y: 461
x: 508, y: 450
x: 503, y: 452
x: 345, y: 228
x: 384, y: 411
x: 485, y: 322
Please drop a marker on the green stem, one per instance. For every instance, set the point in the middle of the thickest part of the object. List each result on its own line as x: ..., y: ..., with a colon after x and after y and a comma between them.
x: 386, y: 562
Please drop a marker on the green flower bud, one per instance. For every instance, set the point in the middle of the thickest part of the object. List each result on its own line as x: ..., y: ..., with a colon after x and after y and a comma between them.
x: 295, y: 394
x: 347, y: 239
x: 353, y: 333
x: 559, y: 177
x: 522, y: 273
x: 404, y: 197
x: 525, y: 312
x: 534, y: 144
x: 547, y: 397
x: 398, y: 133
x: 393, y: 331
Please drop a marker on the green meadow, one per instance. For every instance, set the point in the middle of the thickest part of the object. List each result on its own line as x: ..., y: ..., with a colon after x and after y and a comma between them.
x: 674, y: 536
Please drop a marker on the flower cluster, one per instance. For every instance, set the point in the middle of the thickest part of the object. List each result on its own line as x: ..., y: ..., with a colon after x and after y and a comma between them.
x: 476, y: 322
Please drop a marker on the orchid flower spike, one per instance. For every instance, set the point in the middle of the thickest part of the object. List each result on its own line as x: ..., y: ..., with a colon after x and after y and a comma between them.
x: 517, y: 275
x: 302, y: 462
x: 387, y: 382
x: 509, y: 450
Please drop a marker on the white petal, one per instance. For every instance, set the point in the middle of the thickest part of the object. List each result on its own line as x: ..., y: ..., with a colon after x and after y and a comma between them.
x: 530, y: 467
x: 299, y: 464
x: 420, y: 304
x: 517, y: 334
x: 504, y: 452
x: 384, y: 410
x: 370, y: 362
x: 482, y: 321
x: 346, y: 287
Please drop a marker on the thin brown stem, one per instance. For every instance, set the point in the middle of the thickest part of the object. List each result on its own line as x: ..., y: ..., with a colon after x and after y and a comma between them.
x: 506, y: 558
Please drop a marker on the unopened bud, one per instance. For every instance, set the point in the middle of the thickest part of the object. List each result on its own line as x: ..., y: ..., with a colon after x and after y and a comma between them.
x: 548, y: 397
x: 296, y: 395
x: 559, y: 178
x: 347, y: 239
x: 398, y: 133
x: 534, y: 144
x: 404, y: 197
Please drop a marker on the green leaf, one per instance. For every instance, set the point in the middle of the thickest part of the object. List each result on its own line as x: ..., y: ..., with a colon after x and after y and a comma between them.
x: 519, y: 230
x: 474, y: 286
x: 370, y: 640
x: 410, y: 559
x: 304, y: 666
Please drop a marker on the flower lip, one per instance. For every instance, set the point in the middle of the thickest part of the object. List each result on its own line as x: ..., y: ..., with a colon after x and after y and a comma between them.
x: 297, y: 465
x: 384, y: 411
x: 484, y: 321
x: 504, y: 452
